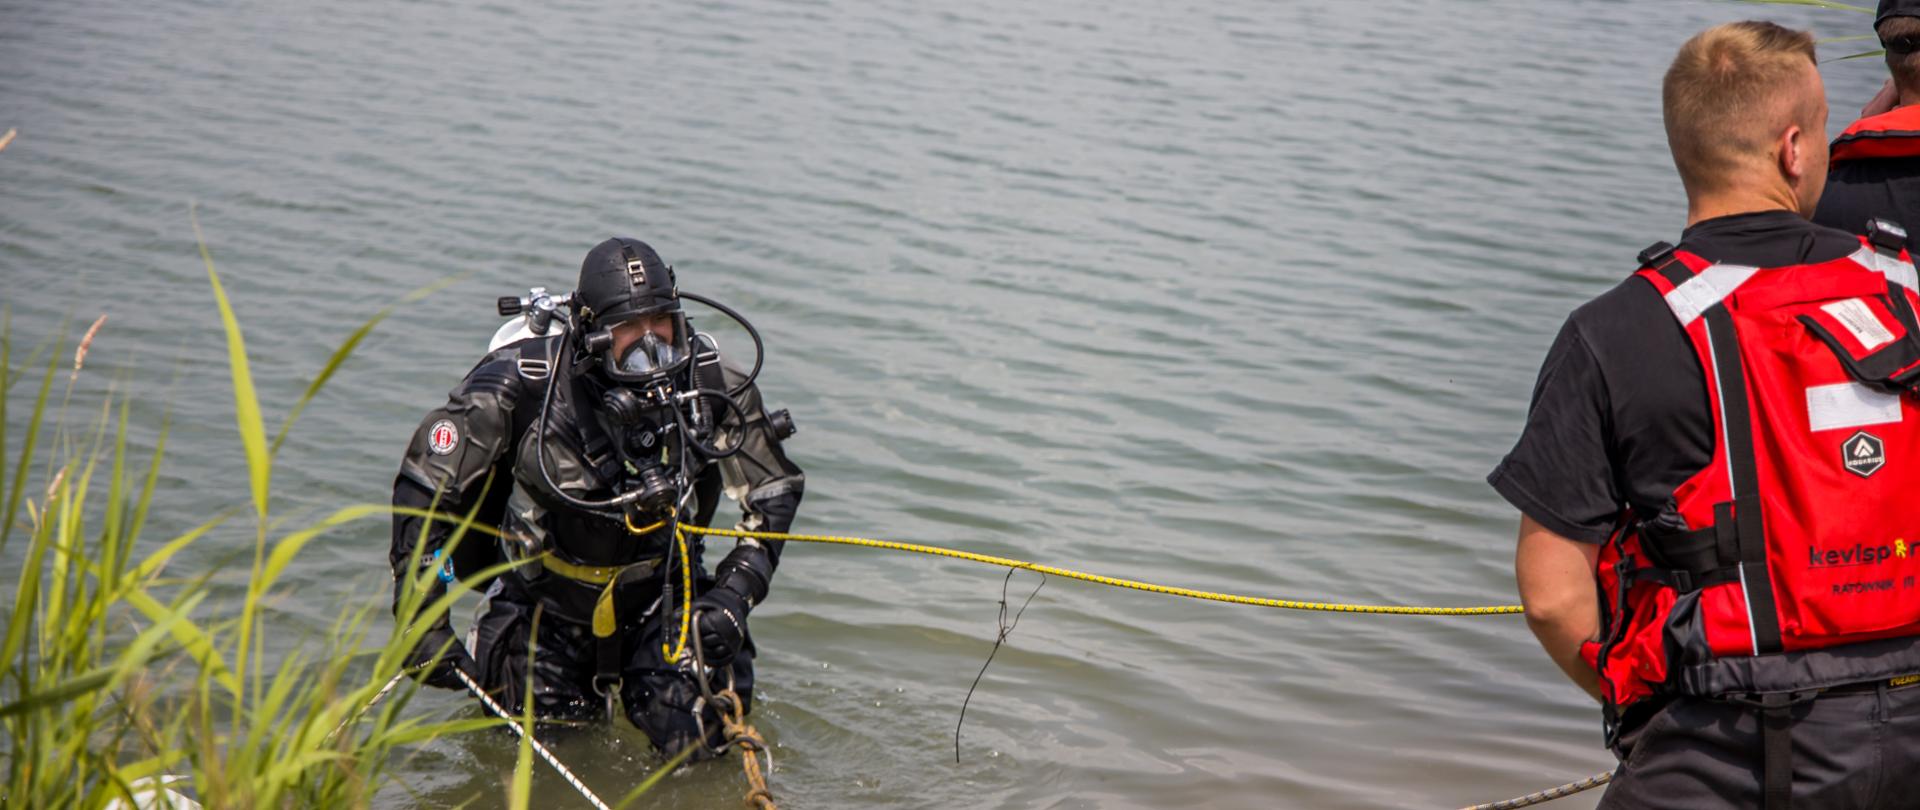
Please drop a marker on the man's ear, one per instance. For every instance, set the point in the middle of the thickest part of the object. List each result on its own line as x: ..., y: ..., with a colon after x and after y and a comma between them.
x: 1793, y: 154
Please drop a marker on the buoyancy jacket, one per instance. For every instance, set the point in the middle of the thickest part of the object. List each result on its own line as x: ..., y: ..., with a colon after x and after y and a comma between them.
x: 1892, y: 134
x: 1875, y: 172
x: 478, y: 452
x: 1785, y: 566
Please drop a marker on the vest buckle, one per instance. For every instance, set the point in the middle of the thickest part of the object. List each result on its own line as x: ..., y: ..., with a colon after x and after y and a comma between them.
x: 1886, y: 236
x: 1657, y: 253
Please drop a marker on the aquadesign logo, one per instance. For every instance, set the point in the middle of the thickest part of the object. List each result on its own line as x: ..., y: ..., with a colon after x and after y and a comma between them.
x: 443, y: 437
x: 1863, y: 454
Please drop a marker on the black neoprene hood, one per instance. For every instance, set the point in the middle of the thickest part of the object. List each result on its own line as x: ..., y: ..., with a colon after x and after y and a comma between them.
x: 623, y: 278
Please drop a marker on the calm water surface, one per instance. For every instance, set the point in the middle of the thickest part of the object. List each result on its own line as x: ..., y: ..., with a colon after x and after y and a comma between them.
x: 1245, y: 296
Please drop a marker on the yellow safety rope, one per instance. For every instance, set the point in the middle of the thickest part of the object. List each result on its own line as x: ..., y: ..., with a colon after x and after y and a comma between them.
x: 643, y: 529
x: 1259, y: 601
x: 686, y: 599
x: 603, y: 618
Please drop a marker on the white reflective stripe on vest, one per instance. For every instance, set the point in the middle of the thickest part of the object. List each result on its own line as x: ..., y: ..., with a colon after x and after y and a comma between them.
x: 1710, y: 286
x: 1897, y: 271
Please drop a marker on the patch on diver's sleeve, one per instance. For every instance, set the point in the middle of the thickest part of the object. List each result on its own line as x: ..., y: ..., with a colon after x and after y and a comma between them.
x: 443, y: 437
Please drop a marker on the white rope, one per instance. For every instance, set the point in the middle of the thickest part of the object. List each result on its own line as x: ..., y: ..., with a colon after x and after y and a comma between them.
x: 537, y: 747
x: 1547, y: 795
x: 397, y: 678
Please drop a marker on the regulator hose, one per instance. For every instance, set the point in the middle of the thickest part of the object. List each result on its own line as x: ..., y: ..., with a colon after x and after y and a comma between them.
x: 759, y: 347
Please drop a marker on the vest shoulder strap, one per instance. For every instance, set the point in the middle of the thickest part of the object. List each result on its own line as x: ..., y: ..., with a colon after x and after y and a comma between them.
x: 1664, y: 258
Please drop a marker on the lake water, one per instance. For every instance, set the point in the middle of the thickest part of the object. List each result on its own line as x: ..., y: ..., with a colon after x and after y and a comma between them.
x: 1245, y: 296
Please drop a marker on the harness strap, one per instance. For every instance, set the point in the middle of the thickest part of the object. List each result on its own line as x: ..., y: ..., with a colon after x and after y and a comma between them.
x: 1726, y: 539
x: 1776, y: 744
x: 1664, y: 259
x: 600, y: 574
x: 1682, y: 580
x: 1696, y: 550
x: 607, y: 666
x: 1609, y: 709
x: 1736, y: 424
x: 607, y: 659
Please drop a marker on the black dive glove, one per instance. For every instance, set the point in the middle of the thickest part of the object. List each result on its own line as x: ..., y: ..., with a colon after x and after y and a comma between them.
x: 721, y: 613
x: 437, y: 638
x: 720, y: 617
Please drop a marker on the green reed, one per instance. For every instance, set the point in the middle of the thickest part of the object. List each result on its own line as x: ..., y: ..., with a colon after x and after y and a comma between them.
x: 116, y: 678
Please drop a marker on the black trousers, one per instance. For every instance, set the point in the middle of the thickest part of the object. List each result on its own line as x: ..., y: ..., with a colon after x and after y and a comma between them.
x: 662, y: 700
x: 1850, y: 750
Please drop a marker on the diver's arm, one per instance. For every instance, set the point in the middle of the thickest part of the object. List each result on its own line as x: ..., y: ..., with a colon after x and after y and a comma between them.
x: 447, y: 464
x: 1555, y: 575
x: 768, y: 486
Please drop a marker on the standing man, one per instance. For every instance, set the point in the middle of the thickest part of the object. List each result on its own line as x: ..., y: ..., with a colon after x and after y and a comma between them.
x: 589, y: 444
x: 1876, y: 162
x: 1716, y: 478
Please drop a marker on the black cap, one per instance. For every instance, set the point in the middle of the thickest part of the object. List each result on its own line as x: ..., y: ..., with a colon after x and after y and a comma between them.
x: 1896, y: 8
x: 623, y: 278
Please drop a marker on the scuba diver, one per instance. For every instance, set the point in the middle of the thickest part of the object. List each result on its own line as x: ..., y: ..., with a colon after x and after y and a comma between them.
x: 597, y: 424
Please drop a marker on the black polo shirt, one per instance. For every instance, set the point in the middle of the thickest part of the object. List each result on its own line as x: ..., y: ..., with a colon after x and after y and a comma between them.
x: 1620, y: 414
x: 1861, y: 189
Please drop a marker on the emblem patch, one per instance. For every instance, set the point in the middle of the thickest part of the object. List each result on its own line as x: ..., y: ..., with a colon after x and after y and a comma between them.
x: 443, y: 437
x: 1863, y: 454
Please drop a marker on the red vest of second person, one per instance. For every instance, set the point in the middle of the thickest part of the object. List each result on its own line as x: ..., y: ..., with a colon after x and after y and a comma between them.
x: 1790, y: 561
x: 1892, y: 134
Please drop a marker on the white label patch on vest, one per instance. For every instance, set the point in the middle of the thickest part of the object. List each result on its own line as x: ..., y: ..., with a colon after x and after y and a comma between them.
x: 443, y: 437
x: 1850, y: 405
x: 1863, y: 454
x: 1858, y: 318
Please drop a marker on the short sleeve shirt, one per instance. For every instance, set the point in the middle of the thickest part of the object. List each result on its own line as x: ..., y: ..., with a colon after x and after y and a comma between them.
x: 1619, y: 416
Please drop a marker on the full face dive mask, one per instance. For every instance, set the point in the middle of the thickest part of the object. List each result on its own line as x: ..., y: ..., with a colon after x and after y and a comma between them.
x: 649, y: 360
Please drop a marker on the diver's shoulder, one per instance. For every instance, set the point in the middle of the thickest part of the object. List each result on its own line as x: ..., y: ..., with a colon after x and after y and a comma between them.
x: 510, y: 367
x: 538, y: 352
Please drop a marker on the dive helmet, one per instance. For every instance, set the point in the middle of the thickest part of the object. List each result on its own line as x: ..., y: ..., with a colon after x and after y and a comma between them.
x: 623, y: 279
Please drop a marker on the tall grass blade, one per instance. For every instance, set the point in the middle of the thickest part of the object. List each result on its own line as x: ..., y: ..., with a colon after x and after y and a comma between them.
x: 6, y: 385
x: 68, y: 551
x: 88, y: 715
x: 116, y: 503
x: 26, y: 453
x: 152, y: 565
x: 134, y: 657
x: 522, y: 789
x: 152, y: 481
x: 412, y: 732
x: 194, y: 640
x: 289, y: 546
x: 658, y: 774
x: 26, y: 598
x: 345, y: 350
x: 246, y: 405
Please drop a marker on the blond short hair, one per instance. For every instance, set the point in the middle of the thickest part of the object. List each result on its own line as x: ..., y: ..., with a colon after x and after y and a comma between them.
x: 1730, y: 90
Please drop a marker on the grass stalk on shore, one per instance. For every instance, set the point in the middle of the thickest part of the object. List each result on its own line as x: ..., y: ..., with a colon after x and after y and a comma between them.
x: 116, y: 678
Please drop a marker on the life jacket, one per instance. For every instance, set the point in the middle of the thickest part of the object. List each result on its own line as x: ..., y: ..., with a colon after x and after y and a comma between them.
x: 1791, y: 563
x: 1892, y: 134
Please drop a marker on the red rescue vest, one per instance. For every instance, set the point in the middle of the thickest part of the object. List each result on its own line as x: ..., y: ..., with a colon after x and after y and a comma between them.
x: 1792, y: 561
x: 1892, y: 134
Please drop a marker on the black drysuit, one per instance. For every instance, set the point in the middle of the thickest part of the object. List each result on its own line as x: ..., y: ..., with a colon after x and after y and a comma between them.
x: 480, y: 451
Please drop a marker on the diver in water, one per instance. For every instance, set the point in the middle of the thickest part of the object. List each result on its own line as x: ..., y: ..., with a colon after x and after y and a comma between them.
x: 589, y: 436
